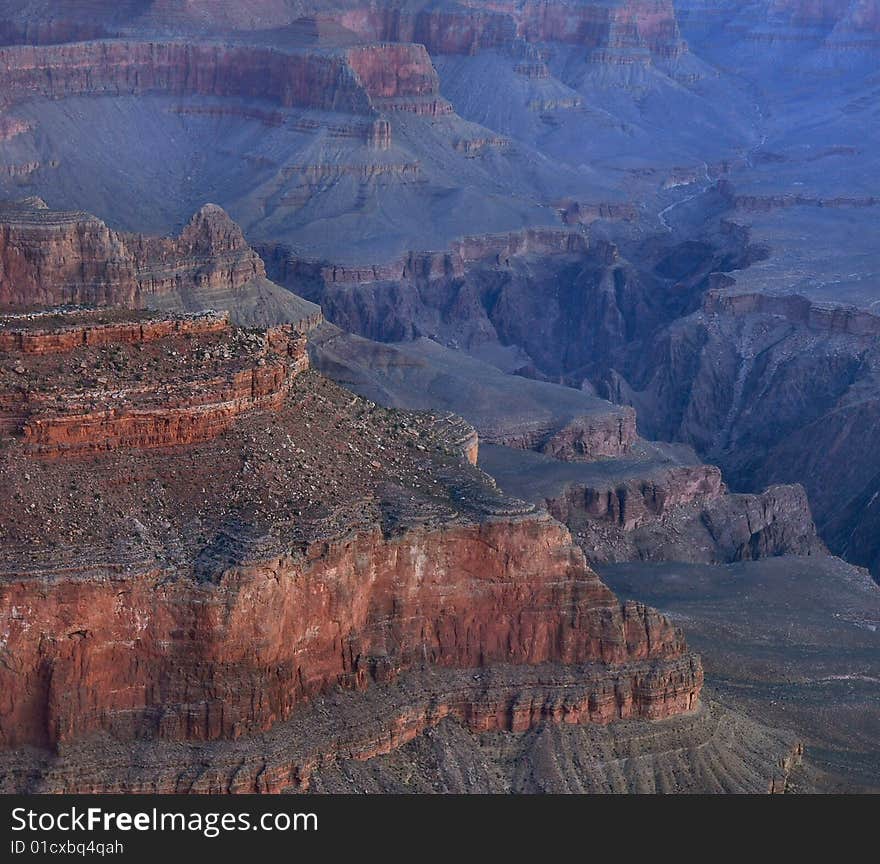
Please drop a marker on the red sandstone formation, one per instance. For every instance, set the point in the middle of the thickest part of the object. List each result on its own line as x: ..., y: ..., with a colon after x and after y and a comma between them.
x: 181, y: 660
x: 304, y: 540
x: 179, y: 68
x: 49, y: 257
x: 615, y: 29
x: 611, y: 32
x: 398, y: 78
x: 102, y: 409
x: 392, y: 77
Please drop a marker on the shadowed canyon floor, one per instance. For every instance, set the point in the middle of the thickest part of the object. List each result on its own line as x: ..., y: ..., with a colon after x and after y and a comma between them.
x: 791, y: 640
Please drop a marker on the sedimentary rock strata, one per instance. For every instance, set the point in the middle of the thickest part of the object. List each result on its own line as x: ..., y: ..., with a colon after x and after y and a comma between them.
x: 611, y: 31
x: 49, y: 258
x: 75, y: 384
x: 342, y: 82
x: 302, y: 540
x: 360, y: 742
x: 659, y: 505
x: 567, y: 227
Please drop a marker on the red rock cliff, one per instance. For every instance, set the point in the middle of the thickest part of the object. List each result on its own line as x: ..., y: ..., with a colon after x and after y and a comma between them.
x: 116, y: 402
x: 333, y: 80
x: 51, y: 258
x: 607, y: 29
x: 310, y: 541
x: 142, y: 654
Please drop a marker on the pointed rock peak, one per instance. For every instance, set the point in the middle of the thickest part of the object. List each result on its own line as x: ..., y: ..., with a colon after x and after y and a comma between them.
x: 209, y: 210
x: 33, y: 202
x: 212, y: 229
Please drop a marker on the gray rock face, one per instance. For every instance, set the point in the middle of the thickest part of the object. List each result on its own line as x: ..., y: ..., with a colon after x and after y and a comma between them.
x: 659, y: 505
x: 773, y: 398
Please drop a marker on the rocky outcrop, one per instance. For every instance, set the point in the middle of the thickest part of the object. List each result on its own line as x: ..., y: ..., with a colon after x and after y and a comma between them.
x: 621, y: 29
x: 506, y: 409
x: 398, y: 78
x: 316, y: 542
x: 494, y: 248
x: 582, y: 213
x: 632, y: 503
x: 581, y: 439
x: 134, y: 398
x: 62, y: 331
x: 51, y: 258
x: 660, y: 508
x: 355, y: 743
x: 775, y: 522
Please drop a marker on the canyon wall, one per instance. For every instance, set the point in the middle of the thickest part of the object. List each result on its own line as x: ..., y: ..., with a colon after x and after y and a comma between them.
x: 484, y: 288
x: 180, y: 68
x: 774, y: 389
x: 215, y: 593
x: 185, y: 660
x: 497, y: 249
x: 444, y: 28
x: 798, y: 310
x: 609, y: 30
x: 685, y: 514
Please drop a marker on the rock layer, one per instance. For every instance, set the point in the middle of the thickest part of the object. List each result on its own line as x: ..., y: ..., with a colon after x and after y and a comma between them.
x: 199, y: 662
x: 102, y: 408
x: 50, y: 258
x: 346, y: 81
x: 232, y: 595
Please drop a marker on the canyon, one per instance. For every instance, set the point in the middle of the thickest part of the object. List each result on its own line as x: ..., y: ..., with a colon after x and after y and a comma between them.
x: 499, y: 303
x: 421, y: 563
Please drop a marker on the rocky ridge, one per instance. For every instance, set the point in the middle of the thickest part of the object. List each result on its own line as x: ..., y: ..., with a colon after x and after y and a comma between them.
x: 373, y: 521
x: 88, y: 384
x: 50, y: 258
